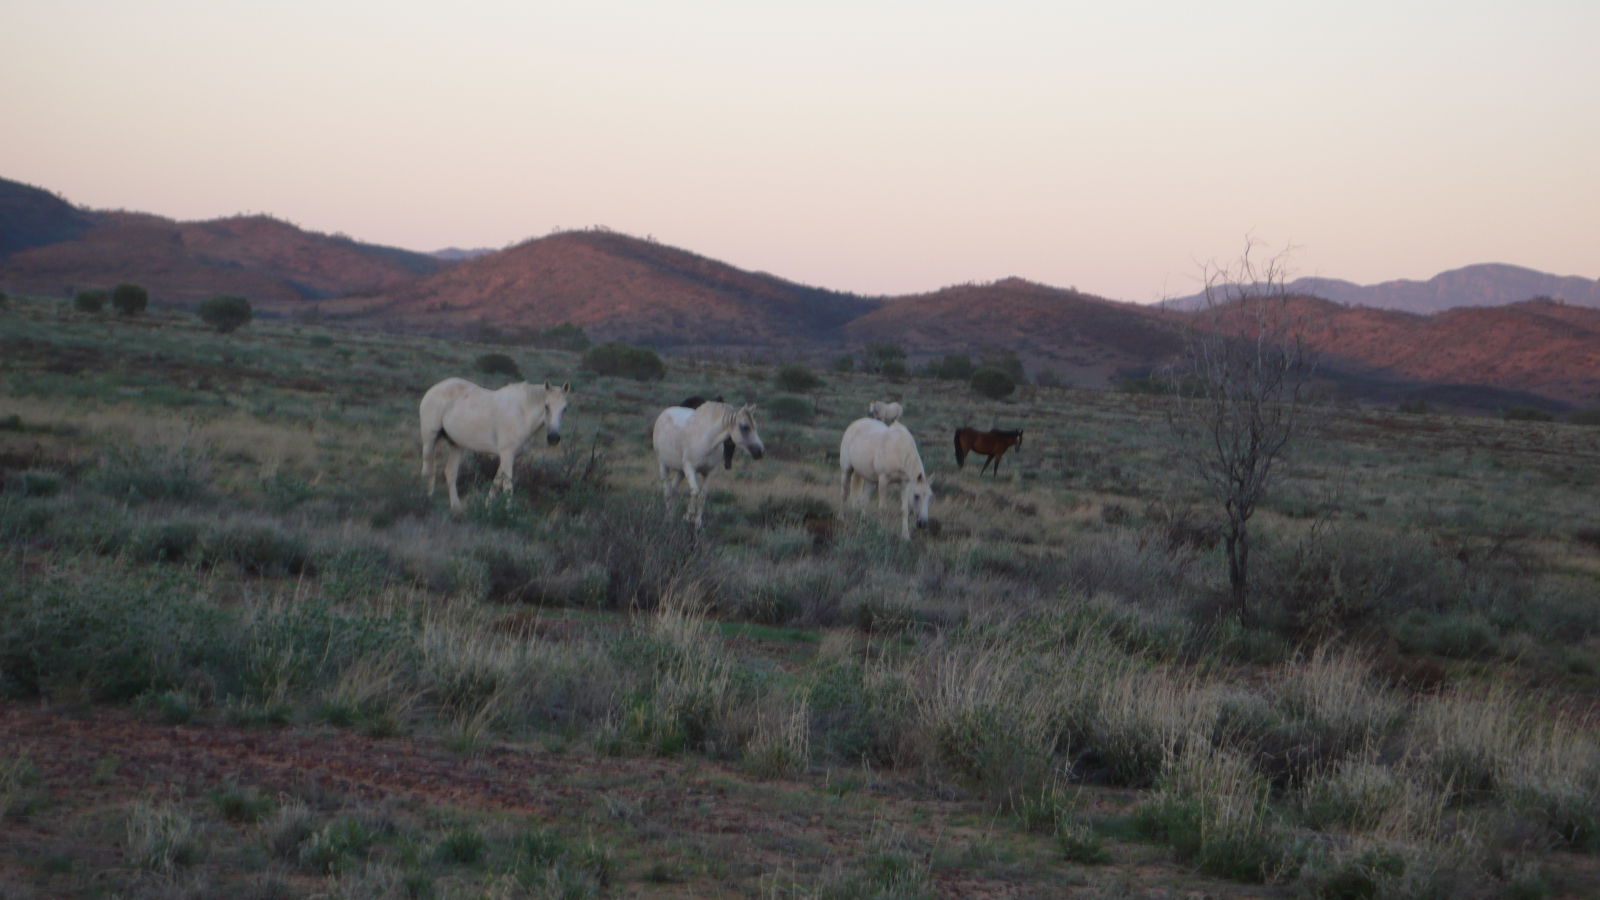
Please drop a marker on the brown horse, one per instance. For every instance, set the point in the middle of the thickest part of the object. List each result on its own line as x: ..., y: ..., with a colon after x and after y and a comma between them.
x: 992, y: 444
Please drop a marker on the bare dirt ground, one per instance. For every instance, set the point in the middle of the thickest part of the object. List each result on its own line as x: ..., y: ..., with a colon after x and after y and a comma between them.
x: 714, y: 829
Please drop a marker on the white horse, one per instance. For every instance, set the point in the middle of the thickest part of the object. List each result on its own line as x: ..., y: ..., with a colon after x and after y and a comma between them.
x: 689, y: 445
x: 888, y: 453
x: 467, y: 417
x: 884, y: 411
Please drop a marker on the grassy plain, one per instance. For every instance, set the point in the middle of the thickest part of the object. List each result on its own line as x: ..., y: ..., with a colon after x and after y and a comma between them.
x: 240, y: 649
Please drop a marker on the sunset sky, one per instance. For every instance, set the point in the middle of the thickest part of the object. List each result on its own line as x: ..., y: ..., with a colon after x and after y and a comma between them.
x: 870, y: 146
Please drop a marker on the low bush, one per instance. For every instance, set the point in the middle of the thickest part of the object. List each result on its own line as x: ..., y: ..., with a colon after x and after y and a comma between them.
x: 130, y: 299
x: 90, y: 302
x: 796, y: 379
x: 1527, y: 414
x: 992, y: 383
x: 498, y: 364
x: 226, y: 312
x: 622, y: 360
x: 790, y: 409
x: 565, y: 336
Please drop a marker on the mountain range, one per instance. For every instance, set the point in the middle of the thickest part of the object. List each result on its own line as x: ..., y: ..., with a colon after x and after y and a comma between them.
x: 1512, y: 334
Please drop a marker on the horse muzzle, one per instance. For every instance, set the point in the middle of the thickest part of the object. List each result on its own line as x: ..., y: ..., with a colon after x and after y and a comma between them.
x: 757, y: 451
x: 553, y: 438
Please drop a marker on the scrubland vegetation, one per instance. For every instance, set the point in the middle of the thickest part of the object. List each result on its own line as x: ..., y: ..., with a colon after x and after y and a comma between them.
x: 210, y: 535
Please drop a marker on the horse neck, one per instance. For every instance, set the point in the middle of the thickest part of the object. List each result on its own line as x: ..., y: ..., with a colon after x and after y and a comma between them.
x: 724, y: 418
x: 907, y: 457
x: 532, y: 407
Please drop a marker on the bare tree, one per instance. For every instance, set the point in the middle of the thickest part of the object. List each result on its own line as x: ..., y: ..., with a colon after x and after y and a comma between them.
x: 1239, y: 391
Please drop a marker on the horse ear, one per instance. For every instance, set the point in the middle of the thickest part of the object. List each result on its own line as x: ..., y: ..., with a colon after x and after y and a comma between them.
x: 921, y: 478
x: 547, y: 385
x: 566, y: 387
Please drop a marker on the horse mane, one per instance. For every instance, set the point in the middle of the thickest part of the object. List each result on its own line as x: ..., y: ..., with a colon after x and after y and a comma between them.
x: 910, y: 459
x: 723, y: 415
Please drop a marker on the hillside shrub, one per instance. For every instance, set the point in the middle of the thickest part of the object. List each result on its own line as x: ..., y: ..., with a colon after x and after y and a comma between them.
x: 225, y: 312
x: 954, y: 366
x: 790, y: 409
x: 1005, y: 360
x: 565, y: 336
x: 1527, y: 414
x: 993, y: 383
x: 797, y: 379
x: 91, y: 302
x: 498, y: 364
x: 1585, y: 417
x: 130, y: 299
x: 622, y: 360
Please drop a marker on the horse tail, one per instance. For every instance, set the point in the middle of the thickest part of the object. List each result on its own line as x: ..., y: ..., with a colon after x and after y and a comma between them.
x: 961, y: 453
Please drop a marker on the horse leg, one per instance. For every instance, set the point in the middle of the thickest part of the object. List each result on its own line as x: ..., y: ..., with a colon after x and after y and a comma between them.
x: 669, y: 480
x: 452, y: 469
x: 697, y: 499
x: 430, y: 451
x: 883, y: 490
x: 986, y: 461
x: 502, y: 477
x: 905, y: 517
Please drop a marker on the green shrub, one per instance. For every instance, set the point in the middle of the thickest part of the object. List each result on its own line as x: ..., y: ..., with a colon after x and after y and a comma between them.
x: 226, y: 312
x: 263, y: 549
x: 34, y: 483
x: 91, y: 302
x: 130, y: 299
x: 622, y: 360
x: 796, y: 379
x: 1585, y: 417
x: 140, y: 474
x: 462, y: 847
x: 992, y: 383
x: 790, y: 409
x: 109, y: 641
x: 1527, y: 414
x: 498, y: 364
x: 954, y: 367
x: 1078, y: 843
x: 565, y: 336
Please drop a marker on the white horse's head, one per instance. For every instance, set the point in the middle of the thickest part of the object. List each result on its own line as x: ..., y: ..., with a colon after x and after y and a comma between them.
x: 916, y: 497
x: 744, y: 433
x: 555, y: 403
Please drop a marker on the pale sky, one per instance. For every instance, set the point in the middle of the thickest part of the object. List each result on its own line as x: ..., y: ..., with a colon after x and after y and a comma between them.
x: 871, y: 146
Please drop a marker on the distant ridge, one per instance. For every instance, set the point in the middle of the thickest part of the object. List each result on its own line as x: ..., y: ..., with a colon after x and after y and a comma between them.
x: 458, y: 254
x: 52, y: 247
x: 1483, y: 353
x: 34, y: 217
x: 1486, y: 284
x: 616, y: 287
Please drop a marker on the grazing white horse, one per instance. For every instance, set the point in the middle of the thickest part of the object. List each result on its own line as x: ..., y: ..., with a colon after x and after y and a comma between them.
x: 468, y: 417
x: 872, y: 450
x: 689, y: 445
x: 884, y: 411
